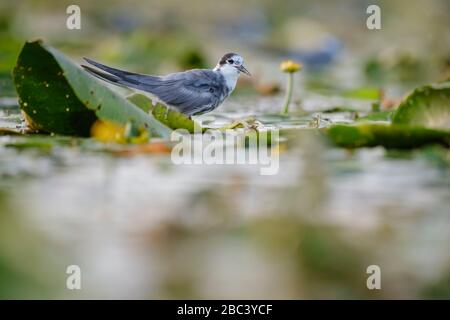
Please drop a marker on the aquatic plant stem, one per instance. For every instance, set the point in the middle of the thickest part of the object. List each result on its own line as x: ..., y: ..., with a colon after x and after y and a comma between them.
x: 288, y: 96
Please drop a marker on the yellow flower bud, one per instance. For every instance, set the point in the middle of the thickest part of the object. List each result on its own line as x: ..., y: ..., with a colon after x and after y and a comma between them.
x: 106, y: 131
x: 290, y: 66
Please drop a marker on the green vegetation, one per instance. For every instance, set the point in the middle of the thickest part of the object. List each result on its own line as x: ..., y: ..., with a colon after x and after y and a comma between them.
x: 59, y: 97
x: 427, y: 106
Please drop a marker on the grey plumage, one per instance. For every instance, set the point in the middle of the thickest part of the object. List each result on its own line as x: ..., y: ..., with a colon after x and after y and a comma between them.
x: 192, y: 92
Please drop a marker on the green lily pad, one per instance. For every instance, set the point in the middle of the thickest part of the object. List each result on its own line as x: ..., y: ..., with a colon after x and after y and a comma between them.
x: 141, y: 101
x: 376, y: 116
x: 388, y: 136
x: 170, y: 117
x: 339, y: 109
x: 427, y: 106
x: 59, y: 97
x: 368, y: 93
x: 41, y: 142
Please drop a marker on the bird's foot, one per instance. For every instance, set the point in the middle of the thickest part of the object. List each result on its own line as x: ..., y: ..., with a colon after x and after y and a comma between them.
x: 245, y: 123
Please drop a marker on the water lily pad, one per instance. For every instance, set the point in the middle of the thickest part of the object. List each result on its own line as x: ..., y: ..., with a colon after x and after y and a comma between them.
x: 59, y: 97
x: 36, y: 141
x: 376, y: 116
x: 170, y: 117
x: 396, y: 137
x: 141, y: 101
x: 368, y: 93
x: 427, y: 106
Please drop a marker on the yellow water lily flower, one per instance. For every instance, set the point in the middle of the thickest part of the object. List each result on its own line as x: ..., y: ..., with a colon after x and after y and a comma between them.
x: 290, y: 66
x: 106, y: 131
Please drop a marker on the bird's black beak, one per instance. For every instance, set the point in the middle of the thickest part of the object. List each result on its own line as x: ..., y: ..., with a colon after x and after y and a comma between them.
x: 242, y: 69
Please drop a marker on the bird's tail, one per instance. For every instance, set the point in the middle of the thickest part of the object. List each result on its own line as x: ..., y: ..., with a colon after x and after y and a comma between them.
x: 116, y: 76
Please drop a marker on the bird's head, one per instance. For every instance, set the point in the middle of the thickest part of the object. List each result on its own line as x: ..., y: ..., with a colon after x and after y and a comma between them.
x: 232, y: 63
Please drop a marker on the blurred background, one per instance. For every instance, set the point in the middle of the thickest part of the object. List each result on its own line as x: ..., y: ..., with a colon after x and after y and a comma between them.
x: 141, y: 227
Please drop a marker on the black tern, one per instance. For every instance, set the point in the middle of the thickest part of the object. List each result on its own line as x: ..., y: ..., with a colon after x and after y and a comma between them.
x: 191, y: 92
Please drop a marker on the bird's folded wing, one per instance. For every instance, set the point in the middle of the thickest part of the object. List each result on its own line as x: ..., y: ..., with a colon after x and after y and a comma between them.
x: 184, y: 90
x: 190, y: 89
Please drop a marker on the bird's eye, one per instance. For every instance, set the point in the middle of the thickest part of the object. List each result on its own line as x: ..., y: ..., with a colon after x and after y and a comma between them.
x: 230, y: 61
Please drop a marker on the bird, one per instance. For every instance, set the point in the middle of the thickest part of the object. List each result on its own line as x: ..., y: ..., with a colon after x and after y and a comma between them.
x: 192, y: 92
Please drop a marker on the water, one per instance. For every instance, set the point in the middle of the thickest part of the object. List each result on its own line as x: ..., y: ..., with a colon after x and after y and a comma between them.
x: 141, y: 227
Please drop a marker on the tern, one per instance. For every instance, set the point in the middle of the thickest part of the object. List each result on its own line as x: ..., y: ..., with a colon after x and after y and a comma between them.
x: 191, y: 92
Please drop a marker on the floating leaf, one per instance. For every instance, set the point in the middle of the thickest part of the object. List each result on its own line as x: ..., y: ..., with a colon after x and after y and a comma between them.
x: 58, y: 96
x: 141, y: 101
x: 170, y: 117
x: 376, y: 116
x: 173, y: 119
x: 36, y: 141
x: 398, y: 137
x: 427, y: 106
x: 367, y: 93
